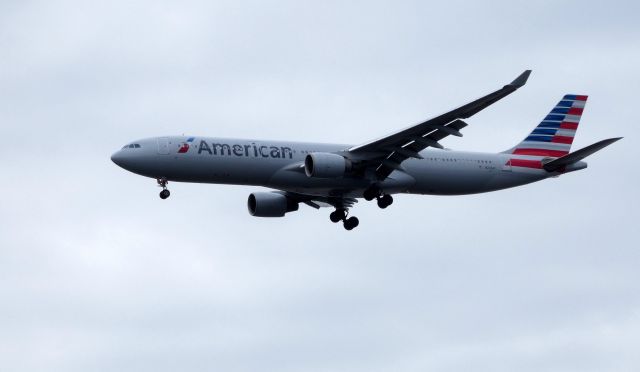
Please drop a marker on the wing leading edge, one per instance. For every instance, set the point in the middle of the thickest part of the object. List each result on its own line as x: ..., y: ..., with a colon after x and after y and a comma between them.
x: 387, y: 153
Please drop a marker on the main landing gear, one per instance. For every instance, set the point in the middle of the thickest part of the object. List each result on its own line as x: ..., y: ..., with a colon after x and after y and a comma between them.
x: 341, y: 214
x: 374, y: 192
x: 162, y: 182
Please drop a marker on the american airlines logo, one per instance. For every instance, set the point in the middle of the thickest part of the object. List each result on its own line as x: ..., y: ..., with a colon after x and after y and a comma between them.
x: 243, y: 150
x: 184, y: 146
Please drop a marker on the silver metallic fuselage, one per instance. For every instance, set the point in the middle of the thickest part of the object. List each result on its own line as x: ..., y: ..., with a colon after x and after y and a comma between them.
x: 278, y: 165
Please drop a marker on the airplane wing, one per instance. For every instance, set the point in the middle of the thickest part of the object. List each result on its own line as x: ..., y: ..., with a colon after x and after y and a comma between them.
x: 387, y: 153
x: 321, y: 201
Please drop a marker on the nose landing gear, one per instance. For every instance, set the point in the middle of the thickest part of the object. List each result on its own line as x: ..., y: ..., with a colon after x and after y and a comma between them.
x: 341, y: 214
x: 165, y: 193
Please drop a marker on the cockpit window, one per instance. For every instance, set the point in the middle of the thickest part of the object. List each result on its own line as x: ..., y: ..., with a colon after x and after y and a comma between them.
x: 132, y: 146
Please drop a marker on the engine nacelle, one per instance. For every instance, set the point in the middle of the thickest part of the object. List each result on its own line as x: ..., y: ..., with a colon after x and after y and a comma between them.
x: 270, y: 204
x: 326, y: 165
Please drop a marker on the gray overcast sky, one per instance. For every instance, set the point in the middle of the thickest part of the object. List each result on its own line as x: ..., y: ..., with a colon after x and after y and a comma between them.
x: 98, y: 274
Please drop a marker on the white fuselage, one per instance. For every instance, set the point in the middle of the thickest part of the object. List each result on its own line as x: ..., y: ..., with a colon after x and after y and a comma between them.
x: 279, y: 165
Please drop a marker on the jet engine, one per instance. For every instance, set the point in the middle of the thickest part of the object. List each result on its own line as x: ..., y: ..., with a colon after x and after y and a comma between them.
x: 326, y: 165
x: 270, y: 204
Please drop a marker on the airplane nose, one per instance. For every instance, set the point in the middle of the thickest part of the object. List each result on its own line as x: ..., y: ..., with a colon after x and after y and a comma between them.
x: 118, y: 158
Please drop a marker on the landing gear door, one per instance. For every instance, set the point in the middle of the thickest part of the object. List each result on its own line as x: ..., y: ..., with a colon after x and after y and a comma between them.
x: 163, y: 145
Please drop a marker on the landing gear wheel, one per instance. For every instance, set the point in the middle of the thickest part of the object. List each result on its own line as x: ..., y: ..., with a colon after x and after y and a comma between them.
x: 337, y: 215
x: 351, y: 223
x: 385, y: 201
x: 371, y: 193
x: 162, y: 182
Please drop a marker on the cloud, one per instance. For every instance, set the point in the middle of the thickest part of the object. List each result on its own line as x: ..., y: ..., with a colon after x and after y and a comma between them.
x: 96, y: 273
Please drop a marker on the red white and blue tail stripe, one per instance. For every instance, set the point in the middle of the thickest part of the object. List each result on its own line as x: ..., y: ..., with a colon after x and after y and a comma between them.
x: 553, y: 136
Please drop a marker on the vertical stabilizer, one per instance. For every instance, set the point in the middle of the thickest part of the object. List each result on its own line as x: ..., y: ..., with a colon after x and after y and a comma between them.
x: 554, y: 135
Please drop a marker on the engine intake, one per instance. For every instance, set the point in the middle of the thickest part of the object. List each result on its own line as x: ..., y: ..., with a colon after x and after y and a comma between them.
x: 326, y: 165
x: 270, y: 204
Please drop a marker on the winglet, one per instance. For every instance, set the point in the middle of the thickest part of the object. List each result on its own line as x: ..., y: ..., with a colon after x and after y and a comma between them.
x: 521, y: 80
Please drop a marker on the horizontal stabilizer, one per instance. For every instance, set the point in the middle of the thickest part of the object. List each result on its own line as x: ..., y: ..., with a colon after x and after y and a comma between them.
x: 576, y: 156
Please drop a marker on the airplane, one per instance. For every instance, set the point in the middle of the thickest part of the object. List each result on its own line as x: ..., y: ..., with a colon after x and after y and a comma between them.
x: 409, y: 161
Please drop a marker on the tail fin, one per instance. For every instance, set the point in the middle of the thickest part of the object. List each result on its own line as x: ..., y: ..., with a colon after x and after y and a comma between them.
x: 554, y: 135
